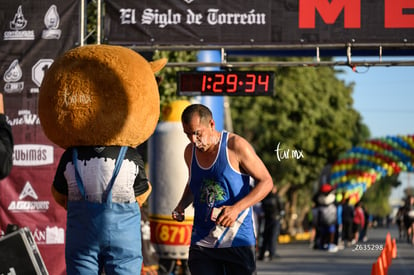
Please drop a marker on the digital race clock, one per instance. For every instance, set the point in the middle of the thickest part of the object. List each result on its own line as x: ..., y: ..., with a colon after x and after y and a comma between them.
x: 238, y: 83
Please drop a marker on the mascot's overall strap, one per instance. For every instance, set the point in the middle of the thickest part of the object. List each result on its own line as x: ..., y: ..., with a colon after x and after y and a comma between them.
x: 108, y: 189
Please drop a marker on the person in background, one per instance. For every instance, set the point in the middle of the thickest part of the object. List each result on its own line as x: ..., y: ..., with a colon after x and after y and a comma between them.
x: 409, y: 218
x: 358, y: 221
x: 399, y: 220
x: 273, y: 213
x: 364, y: 230
x: 6, y: 143
x: 347, y: 221
x: 258, y: 218
x: 220, y: 165
x: 312, y: 216
x: 339, y: 224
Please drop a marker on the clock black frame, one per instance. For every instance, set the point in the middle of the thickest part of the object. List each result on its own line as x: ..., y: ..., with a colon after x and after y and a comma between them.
x: 230, y: 83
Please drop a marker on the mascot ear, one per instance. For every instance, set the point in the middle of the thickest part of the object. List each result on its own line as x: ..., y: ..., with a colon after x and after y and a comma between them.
x: 157, y: 65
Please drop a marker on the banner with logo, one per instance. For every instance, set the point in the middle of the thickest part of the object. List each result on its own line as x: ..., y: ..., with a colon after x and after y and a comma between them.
x: 33, y: 34
x: 258, y: 22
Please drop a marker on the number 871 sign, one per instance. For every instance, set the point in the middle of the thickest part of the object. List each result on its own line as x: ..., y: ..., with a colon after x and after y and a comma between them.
x: 171, y: 232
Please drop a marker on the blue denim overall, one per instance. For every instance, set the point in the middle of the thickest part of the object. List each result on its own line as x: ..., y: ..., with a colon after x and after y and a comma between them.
x: 103, y: 236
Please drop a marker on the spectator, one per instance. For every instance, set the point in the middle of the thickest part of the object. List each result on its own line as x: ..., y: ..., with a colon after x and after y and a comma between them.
x: 258, y: 217
x: 347, y: 221
x: 409, y: 218
x: 273, y: 212
x: 311, y: 216
x: 339, y: 224
x: 364, y: 231
x: 399, y: 220
x: 358, y: 221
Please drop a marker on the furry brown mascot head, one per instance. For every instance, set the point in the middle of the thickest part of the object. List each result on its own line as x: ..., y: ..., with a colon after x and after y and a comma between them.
x: 100, y: 95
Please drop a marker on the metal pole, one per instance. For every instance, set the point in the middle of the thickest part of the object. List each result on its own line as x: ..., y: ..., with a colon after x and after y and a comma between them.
x: 98, y: 21
x: 215, y: 103
x: 82, y: 22
x: 228, y: 122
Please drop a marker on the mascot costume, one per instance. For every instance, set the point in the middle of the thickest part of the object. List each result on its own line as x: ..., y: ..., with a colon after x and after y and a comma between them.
x: 326, y: 218
x: 100, y: 102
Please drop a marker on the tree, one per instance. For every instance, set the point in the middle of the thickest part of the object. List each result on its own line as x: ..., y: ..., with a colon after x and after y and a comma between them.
x: 91, y: 16
x: 168, y: 75
x: 376, y: 198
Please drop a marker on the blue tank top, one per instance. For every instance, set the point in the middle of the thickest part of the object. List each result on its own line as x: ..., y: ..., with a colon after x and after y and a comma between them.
x: 216, y: 186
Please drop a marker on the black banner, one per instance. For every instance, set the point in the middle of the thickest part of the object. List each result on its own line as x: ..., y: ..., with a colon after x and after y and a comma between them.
x: 258, y: 22
x: 33, y: 34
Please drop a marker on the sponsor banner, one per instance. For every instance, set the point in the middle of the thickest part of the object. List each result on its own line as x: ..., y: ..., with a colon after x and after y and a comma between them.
x: 258, y: 22
x: 33, y: 34
x: 26, y: 200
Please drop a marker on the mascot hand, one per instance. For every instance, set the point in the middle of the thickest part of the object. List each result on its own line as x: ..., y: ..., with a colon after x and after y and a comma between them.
x: 143, y: 197
x: 61, y: 199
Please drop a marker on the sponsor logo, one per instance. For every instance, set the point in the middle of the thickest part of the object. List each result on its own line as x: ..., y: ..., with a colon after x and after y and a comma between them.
x: 28, y: 191
x: 51, y: 235
x: 32, y: 155
x: 17, y: 25
x: 52, y: 21
x: 24, y: 205
x: 38, y: 72
x: 25, y: 117
x: 12, y: 76
x: 212, y: 17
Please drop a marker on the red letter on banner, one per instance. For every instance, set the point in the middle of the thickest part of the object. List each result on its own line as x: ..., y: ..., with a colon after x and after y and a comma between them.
x: 329, y: 12
x: 394, y: 17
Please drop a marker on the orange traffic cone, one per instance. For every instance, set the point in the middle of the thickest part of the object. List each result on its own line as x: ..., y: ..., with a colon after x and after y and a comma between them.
x: 388, y: 254
x: 394, y: 249
x: 388, y: 239
x: 382, y: 270
x: 383, y: 263
x: 375, y: 269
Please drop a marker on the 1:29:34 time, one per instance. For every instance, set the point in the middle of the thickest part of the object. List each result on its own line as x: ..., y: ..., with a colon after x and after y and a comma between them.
x: 232, y: 83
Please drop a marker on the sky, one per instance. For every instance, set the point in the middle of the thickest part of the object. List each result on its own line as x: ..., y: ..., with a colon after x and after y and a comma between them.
x: 384, y: 96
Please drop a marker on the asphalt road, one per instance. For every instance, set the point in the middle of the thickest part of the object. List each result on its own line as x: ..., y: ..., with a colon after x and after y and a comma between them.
x: 298, y: 259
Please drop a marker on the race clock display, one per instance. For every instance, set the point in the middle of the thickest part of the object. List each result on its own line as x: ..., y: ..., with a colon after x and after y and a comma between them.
x: 251, y: 83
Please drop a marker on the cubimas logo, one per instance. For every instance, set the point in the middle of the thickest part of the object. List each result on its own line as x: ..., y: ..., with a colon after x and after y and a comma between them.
x: 32, y: 154
x: 28, y: 201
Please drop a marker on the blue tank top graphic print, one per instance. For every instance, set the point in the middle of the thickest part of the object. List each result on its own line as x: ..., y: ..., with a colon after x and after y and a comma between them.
x: 216, y: 186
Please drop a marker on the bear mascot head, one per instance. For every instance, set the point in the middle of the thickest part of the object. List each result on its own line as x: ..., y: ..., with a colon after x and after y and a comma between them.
x: 99, y: 102
x: 100, y: 95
